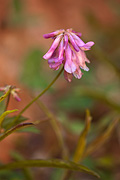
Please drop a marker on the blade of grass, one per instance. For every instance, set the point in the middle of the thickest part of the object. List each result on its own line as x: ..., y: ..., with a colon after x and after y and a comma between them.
x: 82, y: 139
x: 54, y: 163
x: 17, y: 127
x: 101, y: 139
x: 5, y: 114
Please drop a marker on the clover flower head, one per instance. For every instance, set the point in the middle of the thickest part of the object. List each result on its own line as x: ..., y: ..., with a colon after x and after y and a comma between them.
x: 14, y: 91
x: 68, y: 49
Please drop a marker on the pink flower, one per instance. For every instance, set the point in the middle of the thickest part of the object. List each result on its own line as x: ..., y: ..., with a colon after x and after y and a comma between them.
x: 68, y: 49
x: 14, y: 91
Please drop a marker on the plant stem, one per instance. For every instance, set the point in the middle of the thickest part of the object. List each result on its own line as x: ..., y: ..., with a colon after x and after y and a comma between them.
x: 78, y: 154
x: 36, y: 98
x: 56, y: 128
x: 17, y: 127
x: 8, y: 99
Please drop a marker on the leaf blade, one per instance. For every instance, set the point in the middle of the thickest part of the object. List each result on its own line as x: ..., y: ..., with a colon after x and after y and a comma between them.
x: 54, y: 163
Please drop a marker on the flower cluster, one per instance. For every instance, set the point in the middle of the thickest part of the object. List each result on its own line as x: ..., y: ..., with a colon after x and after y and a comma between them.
x: 68, y: 49
x: 14, y: 91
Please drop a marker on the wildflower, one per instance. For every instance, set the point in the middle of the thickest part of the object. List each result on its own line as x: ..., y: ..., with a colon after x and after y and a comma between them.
x: 68, y: 49
x: 13, y: 91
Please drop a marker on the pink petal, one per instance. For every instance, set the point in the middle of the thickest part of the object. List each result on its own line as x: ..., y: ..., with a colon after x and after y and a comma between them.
x: 78, y: 74
x: 55, y: 66
x: 16, y: 97
x: 75, y: 46
x: 65, y: 41
x: 88, y: 45
x: 68, y: 76
x: 78, y: 41
x: 53, y: 47
x: 69, y: 65
x: 81, y: 59
x: 52, y: 34
x: 61, y: 50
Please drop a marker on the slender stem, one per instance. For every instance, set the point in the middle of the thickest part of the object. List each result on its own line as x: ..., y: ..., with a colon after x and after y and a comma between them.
x: 78, y: 154
x: 56, y: 128
x: 36, y: 98
x: 17, y: 127
x: 8, y: 99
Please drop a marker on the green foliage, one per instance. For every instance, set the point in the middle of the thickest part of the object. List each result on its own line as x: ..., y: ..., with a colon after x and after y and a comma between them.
x: 5, y: 95
x: 32, y: 74
x: 49, y: 163
x: 11, y: 175
x: 75, y: 103
x: 8, y: 122
x: 32, y: 129
x: 17, y: 5
x: 3, y: 115
x: 82, y: 139
x: 75, y: 126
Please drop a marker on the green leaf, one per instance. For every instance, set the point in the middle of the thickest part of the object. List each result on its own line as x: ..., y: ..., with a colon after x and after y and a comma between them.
x: 17, y: 4
x: 82, y: 139
x: 26, y: 171
x: 97, y: 95
x: 5, y: 114
x: 17, y: 127
x: 32, y: 74
x: 75, y: 103
x: 101, y: 139
x: 54, y: 163
x: 8, y: 122
x: 5, y: 95
x: 30, y: 129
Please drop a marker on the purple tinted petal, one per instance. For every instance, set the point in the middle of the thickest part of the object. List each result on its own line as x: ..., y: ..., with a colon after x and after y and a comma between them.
x: 75, y: 46
x: 81, y: 59
x: 16, y: 97
x: 53, y: 47
x: 69, y: 65
x: 61, y: 50
x: 65, y: 41
x: 2, y: 88
x: 53, y: 60
x: 78, y: 41
x: 68, y: 76
x: 78, y: 74
x: 54, y: 66
x: 52, y: 34
x: 77, y: 33
x: 88, y: 45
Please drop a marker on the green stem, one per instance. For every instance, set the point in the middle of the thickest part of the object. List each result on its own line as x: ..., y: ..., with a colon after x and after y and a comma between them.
x: 17, y: 127
x: 53, y: 163
x: 56, y: 128
x: 8, y: 99
x: 78, y: 154
x: 36, y: 98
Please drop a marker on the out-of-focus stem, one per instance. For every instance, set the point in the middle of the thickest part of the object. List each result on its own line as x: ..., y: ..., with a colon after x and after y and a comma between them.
x: 56, y: 128
x: 8, y: 99
x: 39, y: 95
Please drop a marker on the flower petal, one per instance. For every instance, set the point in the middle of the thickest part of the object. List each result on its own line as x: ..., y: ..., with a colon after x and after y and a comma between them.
x: 61, y: 50
x: 88, y: 45
x: 55, y: 66
x: 81, y: 59
x: 74, y: 44
x: 78, y: 74
x: 69, y: 65
x: 65, y: 41
x: 78, y: 41
x: 52, y: 34
x: 68, y: 76
x: 53, y: 47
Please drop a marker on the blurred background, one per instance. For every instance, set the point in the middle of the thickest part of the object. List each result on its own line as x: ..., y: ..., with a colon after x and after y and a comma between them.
x: 22, y: 25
